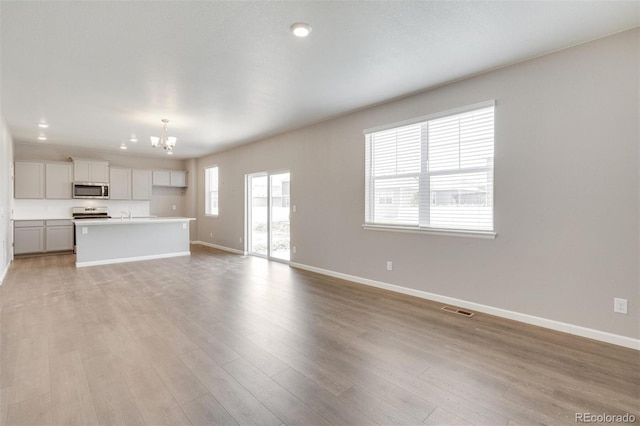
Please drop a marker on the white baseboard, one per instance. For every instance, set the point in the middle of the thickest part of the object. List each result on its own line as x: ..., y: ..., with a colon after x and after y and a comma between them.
x: 4, y: 273
x: 577, y: 330
x: 215, y: 246
x: 131, y: 259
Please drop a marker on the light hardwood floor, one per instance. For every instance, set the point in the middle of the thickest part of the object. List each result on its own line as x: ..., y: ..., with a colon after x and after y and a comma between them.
x: 217, y: 338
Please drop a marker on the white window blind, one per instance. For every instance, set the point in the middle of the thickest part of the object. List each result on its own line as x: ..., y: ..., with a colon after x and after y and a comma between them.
x: 433, y: 173
x: 211, y: 190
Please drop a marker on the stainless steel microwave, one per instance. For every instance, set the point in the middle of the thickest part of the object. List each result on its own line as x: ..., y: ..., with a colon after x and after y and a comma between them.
x: 91, y: 190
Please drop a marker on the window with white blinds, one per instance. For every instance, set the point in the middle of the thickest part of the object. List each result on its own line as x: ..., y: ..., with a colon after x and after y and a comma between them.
x: 434, y: 172
x: 211, y: 191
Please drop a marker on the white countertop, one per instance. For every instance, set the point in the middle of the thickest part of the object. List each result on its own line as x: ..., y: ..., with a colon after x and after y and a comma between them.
x: 132, y: 221
x: 16, y: 219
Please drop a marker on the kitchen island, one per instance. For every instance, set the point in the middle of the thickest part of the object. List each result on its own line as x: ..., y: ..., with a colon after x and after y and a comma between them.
x: 104, y: 241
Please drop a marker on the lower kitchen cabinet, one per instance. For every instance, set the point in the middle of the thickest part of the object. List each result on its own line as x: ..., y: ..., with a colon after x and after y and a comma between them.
x: 41, y: 236
x: 59, y: 235
x: 28, y: 236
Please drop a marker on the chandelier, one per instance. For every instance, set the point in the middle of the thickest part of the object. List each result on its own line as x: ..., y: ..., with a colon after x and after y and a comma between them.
x: 166, y: 142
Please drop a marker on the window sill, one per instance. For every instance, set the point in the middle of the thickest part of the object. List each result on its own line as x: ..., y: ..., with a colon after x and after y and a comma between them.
x: 489, y: 235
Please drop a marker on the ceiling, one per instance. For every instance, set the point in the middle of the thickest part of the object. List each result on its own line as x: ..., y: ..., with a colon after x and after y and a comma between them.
x: 226, y: 73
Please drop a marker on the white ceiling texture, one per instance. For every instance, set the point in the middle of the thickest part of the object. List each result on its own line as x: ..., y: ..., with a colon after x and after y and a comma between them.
x: 226, y: 73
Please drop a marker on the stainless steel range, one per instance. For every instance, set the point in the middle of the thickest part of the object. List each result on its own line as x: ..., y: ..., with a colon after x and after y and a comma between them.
x: 90, y: 213
x: 87, y: 213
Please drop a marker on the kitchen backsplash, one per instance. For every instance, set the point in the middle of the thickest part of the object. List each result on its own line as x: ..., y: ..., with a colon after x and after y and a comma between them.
x: 61, y: 209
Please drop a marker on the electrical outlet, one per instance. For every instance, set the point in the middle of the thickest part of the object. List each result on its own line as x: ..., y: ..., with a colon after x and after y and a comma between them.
x: 389, y: 266
x: 240, y: 239
x: 294, y: 249
x: 294, y: 208
x: 620, y: 305
x: 173, y: 207
x: 210, y: 234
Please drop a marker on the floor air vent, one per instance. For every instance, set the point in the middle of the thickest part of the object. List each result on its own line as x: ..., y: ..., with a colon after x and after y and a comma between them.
x: 458, y: 311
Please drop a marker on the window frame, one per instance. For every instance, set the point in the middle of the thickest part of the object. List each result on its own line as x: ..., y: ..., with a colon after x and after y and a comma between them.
x: 423, y: 181
x: 207, y: 192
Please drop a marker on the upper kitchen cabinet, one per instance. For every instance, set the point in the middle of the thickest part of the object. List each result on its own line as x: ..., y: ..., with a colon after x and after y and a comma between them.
x: 141, y: 184
x: 28, y: 180
x: 42, y: 180
x: 161, y: 178
x: 177, y: 178
x: 120, y: 184
x: 128, y: 184
x: 58, y: 180
x: 90, y: 171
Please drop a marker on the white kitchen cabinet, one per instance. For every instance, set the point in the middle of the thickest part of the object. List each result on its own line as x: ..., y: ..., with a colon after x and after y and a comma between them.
x: 40, y: 236
x: 81, y: 171
x: 177, y: 178
x: 59, y: 235
x: 58, y: 178
x: 42, y: 180
x: 28, y: 180
x: 90, y: 171
x: 28, y: 236
x: 161, y: 178
x: 141, y: 184
x: 120, y: 184
x: 99, y: 171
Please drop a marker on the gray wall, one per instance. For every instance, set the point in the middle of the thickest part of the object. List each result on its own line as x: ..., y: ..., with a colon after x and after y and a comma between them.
x: 191, y: 196
x: 6, y: 197
x: 566, y: 192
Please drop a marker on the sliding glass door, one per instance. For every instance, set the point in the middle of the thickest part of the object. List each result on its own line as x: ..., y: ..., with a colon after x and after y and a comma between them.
x: 258, y: 215
x: 268, y: 201
x: 279, y: 246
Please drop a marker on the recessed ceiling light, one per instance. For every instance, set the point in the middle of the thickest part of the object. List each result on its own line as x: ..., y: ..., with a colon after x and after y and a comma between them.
x: 169, y: 152
x: 42, y: 138
x: 301, y: 29
x: 123, y: 146
x: 43, y: 125
x: 133, y: 139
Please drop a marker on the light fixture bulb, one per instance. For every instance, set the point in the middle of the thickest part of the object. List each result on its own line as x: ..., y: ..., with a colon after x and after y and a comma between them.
x: 42, y: 138
x: 166, y: 142
x: 133, y: 139
x: 43, y: 125
x: 123, y: 146
x: 301, y: 29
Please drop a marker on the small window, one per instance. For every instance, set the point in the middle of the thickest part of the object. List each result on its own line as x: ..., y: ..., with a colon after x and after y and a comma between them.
x: 211, y: 190
x: 432, y: 172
